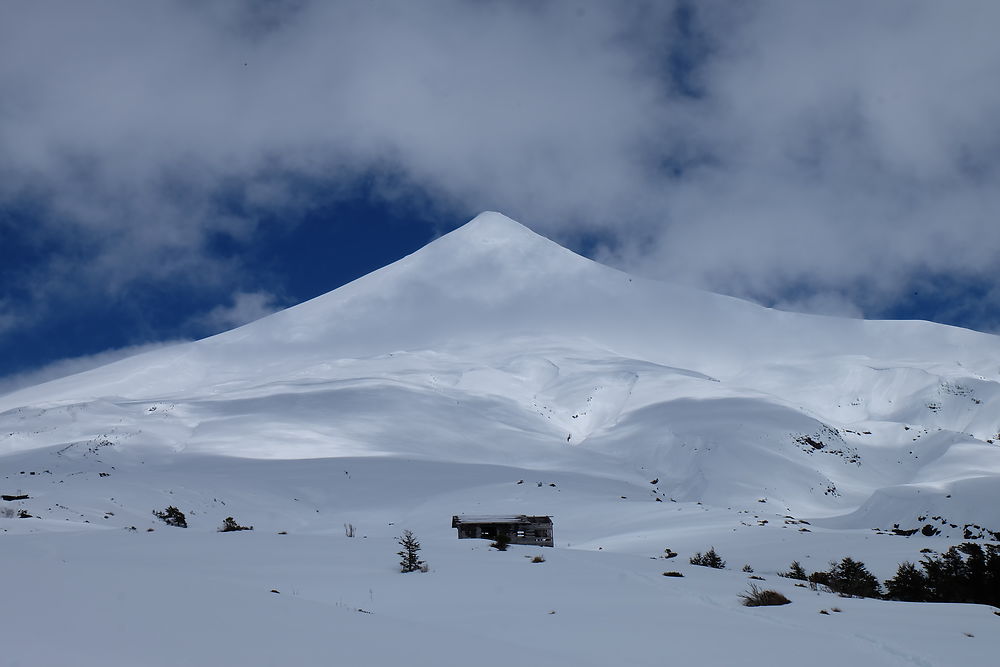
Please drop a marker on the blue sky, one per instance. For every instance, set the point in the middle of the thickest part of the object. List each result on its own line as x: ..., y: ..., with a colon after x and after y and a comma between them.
x: 171, y: 170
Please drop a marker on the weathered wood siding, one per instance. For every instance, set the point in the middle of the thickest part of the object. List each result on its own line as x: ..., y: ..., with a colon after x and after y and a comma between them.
x: 535, y: 531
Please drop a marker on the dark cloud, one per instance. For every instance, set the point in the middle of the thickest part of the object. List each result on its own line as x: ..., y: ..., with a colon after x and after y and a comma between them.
x: 815, y: 155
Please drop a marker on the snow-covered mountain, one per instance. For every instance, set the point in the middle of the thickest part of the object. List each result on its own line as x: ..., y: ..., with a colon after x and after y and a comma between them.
x: 494, y: 371
x: 495, y: 345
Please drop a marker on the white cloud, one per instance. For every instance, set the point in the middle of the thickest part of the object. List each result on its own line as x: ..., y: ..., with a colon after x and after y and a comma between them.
x: 64, y: 367
x: 851, y: 147
x: 245, y: 307
x: 823, y: 303
x: 844, y: 147
x: 127, y: 120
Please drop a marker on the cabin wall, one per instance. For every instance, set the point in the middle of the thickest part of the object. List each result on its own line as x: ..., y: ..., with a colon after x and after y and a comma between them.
x: 535, y: 534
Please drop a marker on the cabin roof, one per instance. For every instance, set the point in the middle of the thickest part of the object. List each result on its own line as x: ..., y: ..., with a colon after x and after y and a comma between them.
x: 499, y: 518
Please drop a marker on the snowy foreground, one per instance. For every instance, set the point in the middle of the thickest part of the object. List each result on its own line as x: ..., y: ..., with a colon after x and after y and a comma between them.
x: 494, y: 372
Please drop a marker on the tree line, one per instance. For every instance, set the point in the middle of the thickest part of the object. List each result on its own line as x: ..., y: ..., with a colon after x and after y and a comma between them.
x: 965, y: 573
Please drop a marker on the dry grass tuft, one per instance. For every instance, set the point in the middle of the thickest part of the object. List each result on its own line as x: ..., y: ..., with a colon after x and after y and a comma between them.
x: 756, y: 597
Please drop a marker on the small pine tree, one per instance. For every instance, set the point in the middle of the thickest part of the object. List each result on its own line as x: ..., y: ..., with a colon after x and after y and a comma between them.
x: 172, y: 517
x: 501, y: 542
x: 408, y: 560
x: 229, y: 525
x: 708, y: 559
x: 821, y: 578
x: 851, y: 577
x: 795, y: 571
x: 909, y: 584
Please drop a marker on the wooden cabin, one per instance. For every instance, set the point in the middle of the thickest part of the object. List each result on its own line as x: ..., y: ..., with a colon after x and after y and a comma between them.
x: 519, y: 529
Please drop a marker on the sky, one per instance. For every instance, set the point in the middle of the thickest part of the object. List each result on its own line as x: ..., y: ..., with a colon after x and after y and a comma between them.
x: 169, y: 170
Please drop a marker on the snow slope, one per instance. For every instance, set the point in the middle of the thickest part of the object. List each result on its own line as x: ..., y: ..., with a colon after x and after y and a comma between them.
x: 494, y: 371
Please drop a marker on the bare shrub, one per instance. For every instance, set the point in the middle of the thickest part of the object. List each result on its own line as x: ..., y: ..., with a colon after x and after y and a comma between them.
x: 756, y: 597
